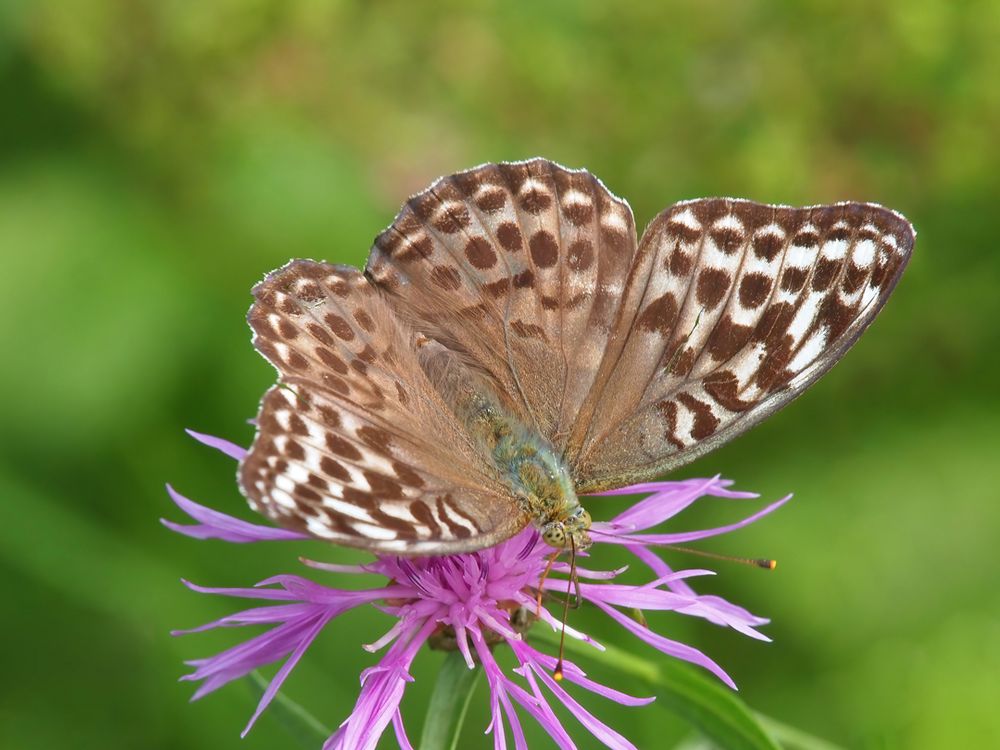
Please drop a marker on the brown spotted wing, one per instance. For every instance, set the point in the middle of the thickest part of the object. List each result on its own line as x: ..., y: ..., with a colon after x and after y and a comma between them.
x: 524, y: 284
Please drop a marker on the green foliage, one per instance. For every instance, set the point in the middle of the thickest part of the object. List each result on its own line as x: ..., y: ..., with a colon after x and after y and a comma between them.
x: 158, y: 158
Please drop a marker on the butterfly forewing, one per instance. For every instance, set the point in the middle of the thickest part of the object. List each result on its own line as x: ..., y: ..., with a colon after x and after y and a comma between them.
x: 521, y: 267
x: 355, y: 445
x: 741, y: 307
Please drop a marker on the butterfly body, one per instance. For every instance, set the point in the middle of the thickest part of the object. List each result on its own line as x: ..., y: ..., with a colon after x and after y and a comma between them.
x: 511, y: 343
x: 529, y: 466
x: 540, y: 480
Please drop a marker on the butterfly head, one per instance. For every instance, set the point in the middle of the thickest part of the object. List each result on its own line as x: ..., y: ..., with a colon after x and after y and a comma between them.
x: 568, y: 532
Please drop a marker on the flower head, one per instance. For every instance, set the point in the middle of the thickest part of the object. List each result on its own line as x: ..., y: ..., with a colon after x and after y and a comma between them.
x: 471, y: 602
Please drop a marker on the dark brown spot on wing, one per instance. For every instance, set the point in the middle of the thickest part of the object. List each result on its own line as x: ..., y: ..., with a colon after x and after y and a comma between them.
x: 339, y: 326
x: 382, y: 486
x: 365, y: 321
x: 724, y: 388
x: 580, y: 255
x: 836, y: 316
x: 680, y: 262
x: 457, y: 530
x: 659, y: 315
x: 331, y: 360
x: 509, y: 236
x: 294, y: 450
x: 453, y: 218
x: 491, y: 200
x: 480, y: 253
x: 527, y: 330
x: 544, y: 250
x: 535, y: 201
x: 793, y: 278
x: 334, y: 469
x: 320, y: 333
x: 686, y: 233
x: 806, y: 239
x: 705, y: 422
x: 754, y: 289
x: 419, y: 249
x: 498, y: 288
x: 287, y: 330
x: 335, y: 384
x: 668, y: 411
x: 767, y: 245
x: 297, y: 426
x: 407, y: 476
x: 297, y: 361
x: 824, y: 274
x: 713, y: 283
x: 424, y: 516
x: 340, y: 447
x: 728, y: 338
x: 579, y: 213
x: 727, y: 239
x: 329, y: 417
x: 854, y: 278
x: 524, y: 280
x: 376, y: 438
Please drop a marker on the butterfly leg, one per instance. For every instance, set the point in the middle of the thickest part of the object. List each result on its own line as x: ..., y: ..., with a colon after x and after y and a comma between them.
x: 545, y: 574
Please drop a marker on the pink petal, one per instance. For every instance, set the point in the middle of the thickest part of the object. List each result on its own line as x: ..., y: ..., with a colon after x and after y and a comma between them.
x: 216, y: 525
x: 230, y: 449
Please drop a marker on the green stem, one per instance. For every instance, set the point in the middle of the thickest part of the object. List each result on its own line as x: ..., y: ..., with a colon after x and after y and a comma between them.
x: 449, y: 703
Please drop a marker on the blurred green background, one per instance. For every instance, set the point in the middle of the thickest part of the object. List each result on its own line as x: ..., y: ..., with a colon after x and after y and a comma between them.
x: 157, y: 158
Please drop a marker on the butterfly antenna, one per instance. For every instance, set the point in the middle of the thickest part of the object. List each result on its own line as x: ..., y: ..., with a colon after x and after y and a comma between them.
x: 557, y: 675
x: 595, y: 532
x: 757, y: 562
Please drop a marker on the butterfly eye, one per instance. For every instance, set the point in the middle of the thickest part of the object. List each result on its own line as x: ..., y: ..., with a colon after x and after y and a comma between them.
x: 554, y: 534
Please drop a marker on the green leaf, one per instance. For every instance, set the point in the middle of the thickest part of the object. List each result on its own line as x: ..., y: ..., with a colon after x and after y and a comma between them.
x: 307, y: 730
x: 709, y: 706
x: 449, y: 703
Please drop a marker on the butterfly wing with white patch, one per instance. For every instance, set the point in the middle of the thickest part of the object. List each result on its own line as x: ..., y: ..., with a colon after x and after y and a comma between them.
x: 522, y: 268
x: 739, y: 307
x: 355, y: 445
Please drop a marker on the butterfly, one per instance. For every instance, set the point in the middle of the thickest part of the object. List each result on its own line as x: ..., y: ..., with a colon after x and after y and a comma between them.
x: 511, y: 346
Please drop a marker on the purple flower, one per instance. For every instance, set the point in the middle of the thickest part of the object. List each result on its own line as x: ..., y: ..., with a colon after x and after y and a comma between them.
x: 470, y: 602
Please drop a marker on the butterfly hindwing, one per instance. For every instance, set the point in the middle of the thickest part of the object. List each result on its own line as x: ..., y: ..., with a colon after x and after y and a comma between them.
x: 739, y: 307
x: 355, y: 445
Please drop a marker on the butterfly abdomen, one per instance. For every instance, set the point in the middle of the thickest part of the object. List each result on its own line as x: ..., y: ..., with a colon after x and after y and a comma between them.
x: 528, y: 464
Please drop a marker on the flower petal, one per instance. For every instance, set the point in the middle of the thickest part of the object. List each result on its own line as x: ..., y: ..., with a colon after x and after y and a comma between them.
x: 667, y: 646
x: 381, y: 693
x: 595, y: 726
x: 574, y: 674
x: 690, y: 536
x: 230, y: 449
x: 275, y: 684
x: 216, y: 525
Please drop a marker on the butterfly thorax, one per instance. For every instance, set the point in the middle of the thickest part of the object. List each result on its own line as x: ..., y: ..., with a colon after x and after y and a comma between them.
x: 537, y: 476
